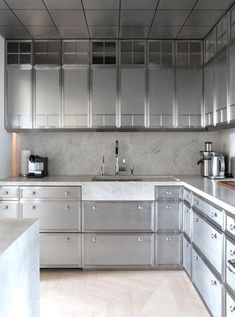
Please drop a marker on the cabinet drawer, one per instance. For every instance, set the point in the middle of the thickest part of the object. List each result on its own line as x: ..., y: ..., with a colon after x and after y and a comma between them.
x: 230, y: 255
x: 118, y: 216
x: 230, y: 225
x: 9, y: 192
x: 187, y: 215
x: 168, y: 216
x: 187, y: 196
x: 60, y: 250
x: 212, y: 212
x: 54, y: 215
x: 187, y: 255
x: 118, y: 250
x: 209, y: 240
x: 168, y: 250
x: 207, y: 285
x: 51, y: 192
x: 9, y: 209
x: 230, y: 306
x: 168, y: 192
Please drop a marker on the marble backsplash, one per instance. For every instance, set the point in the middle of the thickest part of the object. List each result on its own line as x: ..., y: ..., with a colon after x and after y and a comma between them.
x: 151, y: 153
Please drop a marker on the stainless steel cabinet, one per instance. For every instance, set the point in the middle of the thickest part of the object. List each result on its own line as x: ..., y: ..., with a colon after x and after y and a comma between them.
x: 104, y: 96
x: 230, y: 255
x: 9, y: 209
x: 161, y: 94
x: 9, y: 193
x: 187, y: 218
x: 187, y: 256
x: 47, y: 97
x: 230, y: 306
x: 19, y: 97
x: 51, y: 192
x: 132, y: 96
x: 102, y: 250
x: 168, y: 250
x: 230, y: 225
x: 187, y: 196
x: 209, y: 91
x: 60, y: 250
x: 168, y: 193
x: 75, y: 96
x: 118, y: 216
x: 208, y: 285
x: 209, y: 240
x: 168, y: 216
x: 232, y: 81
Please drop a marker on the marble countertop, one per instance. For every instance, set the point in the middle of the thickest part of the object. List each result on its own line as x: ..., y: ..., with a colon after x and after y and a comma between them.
x: 11, y: 230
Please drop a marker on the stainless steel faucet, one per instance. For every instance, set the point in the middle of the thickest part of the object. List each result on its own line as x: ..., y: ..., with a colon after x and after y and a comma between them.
x: 117, y: 159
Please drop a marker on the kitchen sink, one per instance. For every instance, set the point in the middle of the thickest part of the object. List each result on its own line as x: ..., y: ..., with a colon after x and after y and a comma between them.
x: 112, y: 178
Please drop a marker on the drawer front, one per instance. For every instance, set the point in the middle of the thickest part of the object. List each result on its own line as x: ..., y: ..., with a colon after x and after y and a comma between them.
x: 209, y: 241
x: 230, y: 306
x: 187, y: 215
x: 168, y: 192
x: 9, y: 209
x: 54, y: 215
x: 9, y: 192
x: 230, y: 225
x: 230, y: 255
x: 118, y: 216
x: 187, y: 196
x: 51, y: 192
x: 60, y: 250
x: 168, y: 250
x: 187, y: 255
x: 118, y: 250
x: 208, y: 285
x: 214, y: 213
x: 168, y: 216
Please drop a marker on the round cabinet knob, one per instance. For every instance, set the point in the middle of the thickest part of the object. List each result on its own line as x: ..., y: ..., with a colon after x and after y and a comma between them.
x: 33, y: 193
x: 67, y: 208
x: 168, y: 239
x: 66, y: 193
x: 6, y: 192
x: 232, y: 252
x: 196, y: 258
x: 232, y: 308
x: 5, y: 207
x: 141, y: 207
x: 213, y: 282
x: 195, y: 219
x: 68, y: 239
x: 33, y: 207
x: 213, y: 236
x: 232, y: 227
x: 141, y: 240
x: 168, y: 207
x: 94, y: 240
x: 214, y: 215
x: 186, y: 245
x: 168, y: 193
x: 196, y: 202
x: 93, y: 207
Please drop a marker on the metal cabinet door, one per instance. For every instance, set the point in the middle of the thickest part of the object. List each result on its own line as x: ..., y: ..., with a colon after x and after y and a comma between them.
x: 189, y: 96
x: 118, y: 216
x: 54, y: 215
x: 168, y: 250
x: 60, y: 250
x: 104, y: 96
x: 230, y: 255
x: 47, y: 97
x: 187, y: 213
x: 209, y: 240
x: 76, y: 97
x: 51, y: 192
x: 9, y: 209
x: 209, y: 87
x: 230, y: 226
x: 187, y: 196
x: 161, y: 93
x: 9, y: 193
x: 168, y: 216
x: 187, y: 256
x: 132, y: 96
x: 230, y: 306
x: 207, y: 285
x: 118, y: 250
x: 19, y: 97
x: 168, y: 193
x: 232, y: 80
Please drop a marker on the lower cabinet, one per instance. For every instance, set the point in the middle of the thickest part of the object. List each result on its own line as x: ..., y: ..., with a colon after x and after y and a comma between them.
x: 208, y: 286
x: 60, y: 250
x: 230, y: 256
x: 230, y: 306
x: 102, y: 250
x: 9, y: 209
x: 168, y: 250
x: 187, y: 256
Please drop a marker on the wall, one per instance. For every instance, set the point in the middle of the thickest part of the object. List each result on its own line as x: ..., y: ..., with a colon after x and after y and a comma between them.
x: 157, y: 153
x: 5, y: 138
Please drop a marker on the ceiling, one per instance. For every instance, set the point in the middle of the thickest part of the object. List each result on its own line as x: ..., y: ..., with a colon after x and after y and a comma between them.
x: 56, y: 19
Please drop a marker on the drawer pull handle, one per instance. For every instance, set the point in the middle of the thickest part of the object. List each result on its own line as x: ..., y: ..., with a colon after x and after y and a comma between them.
x: 168, y: 207
x: 186, y: 245
x: 195, y: 219
x: 93, y: 207
x: 141, y: 240
x: 232, y: 227
x: 168, y: 193
x: 168, y: 239
x: 232, y: 252
x: 67, y: 193
x: 213, y: 236
x: 214, y: 215
x: 5, y: 207
x: 213, y: 282
x: 232, y: 308
x: 33, y: 207
x: 94, y: 240
x: 6, y: 192
x: 196, y: 258
x: 33, y: 193
x: 68, y: 239
x: 141, y: 207
x: 67, y: 208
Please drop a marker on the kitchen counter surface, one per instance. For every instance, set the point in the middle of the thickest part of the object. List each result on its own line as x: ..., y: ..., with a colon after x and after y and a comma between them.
x: 108, y: 190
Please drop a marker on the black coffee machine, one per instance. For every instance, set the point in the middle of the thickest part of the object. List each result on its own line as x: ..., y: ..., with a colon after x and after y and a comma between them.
x: 37, y: 166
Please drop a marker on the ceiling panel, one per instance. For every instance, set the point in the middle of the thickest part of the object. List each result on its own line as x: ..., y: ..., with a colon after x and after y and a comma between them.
x: 101, y: 4
x: 73, y: 32
x: 34, y: 17
x: 134, y: 31
x: 170, y: 17
x: 164, y: 32
x: 103, y: 31
x: 63, y: 4
x: 176, y: 4
x: 43, y: 32
x: 191, y: 32
x: 136, y: 17
x: 139, y: 4
x: 68, y: 17
x: 102, y: 17
x: 25, y: 4
x: 204, y: 17
x: 214, y: 4
x: 14, y: 32
x: 8, y: 18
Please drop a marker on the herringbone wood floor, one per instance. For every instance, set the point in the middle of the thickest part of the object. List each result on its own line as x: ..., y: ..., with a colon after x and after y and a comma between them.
x: 75, y: 293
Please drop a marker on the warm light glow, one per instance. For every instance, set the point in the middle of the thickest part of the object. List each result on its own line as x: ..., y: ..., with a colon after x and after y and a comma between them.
x: 14, y: 159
